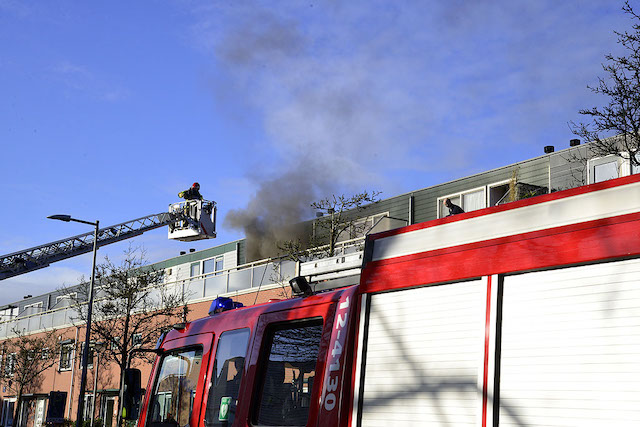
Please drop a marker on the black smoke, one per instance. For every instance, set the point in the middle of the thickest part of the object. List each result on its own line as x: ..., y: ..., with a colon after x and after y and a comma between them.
x: 276, y: 212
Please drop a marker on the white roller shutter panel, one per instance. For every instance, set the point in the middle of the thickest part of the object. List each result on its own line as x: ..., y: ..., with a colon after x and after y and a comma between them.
x: 571, y: 347
x: 423, y: 356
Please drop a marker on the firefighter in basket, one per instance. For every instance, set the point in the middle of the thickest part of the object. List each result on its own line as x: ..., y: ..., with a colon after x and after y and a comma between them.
x: 192, y: 193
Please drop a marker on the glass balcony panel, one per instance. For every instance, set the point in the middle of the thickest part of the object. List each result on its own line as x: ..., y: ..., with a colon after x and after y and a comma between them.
x: 260, y: 276
x: 240, y: 279
x: 59, y: 318
x: 215, y: 285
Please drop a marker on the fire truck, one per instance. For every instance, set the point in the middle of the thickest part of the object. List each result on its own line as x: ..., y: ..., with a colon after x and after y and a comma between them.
x: 523, y: 314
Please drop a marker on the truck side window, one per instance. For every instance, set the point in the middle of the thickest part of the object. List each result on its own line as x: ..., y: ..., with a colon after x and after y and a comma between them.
x: 287, y: 374
x: 175, y: 388
x: 228, y: 369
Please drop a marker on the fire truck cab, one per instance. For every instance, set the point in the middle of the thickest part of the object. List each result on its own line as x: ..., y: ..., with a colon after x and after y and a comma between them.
x: 278, y: 363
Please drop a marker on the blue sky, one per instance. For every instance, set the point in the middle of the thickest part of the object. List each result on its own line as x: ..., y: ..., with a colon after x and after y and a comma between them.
x: 109, y: 109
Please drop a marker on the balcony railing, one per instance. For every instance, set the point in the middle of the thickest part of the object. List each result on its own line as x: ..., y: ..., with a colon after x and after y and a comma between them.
x: 247, y: 277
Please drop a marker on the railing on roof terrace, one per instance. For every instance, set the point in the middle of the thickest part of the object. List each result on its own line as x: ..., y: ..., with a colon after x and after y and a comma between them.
x: 38, y: 321
x: 265, y: 273
x: 246, y: 277
x: 256, y: 274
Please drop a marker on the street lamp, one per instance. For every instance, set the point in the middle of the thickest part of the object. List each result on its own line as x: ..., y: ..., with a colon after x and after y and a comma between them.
x: 87, y: 339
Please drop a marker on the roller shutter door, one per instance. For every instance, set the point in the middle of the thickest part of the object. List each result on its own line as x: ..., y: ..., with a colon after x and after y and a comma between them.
x: 571, y: 347
x: 423, y: 356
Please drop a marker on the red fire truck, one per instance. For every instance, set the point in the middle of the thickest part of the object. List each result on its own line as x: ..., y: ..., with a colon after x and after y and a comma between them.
x: 522, y: 314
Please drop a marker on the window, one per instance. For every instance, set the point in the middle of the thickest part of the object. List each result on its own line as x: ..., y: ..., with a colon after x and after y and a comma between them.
x: 367, y: 225
x: 8, y: 406
x: 34, y: 305
x: 107, y: 407
x: 469, y: 201
x: 443, y: 211
x: 90, y: 355
x: 611, y: 167
x: 32, y: 308
x: 10, y: 364
x: 136, y: 340
x: 473, y: 201
x: 88, y: 406
x: 195, y: 269
x: 364, y: 226
x: 115, y: 344
x: 288, y: 374
x: 499, y: 193
x: 66, y: 356
x: 227, y: 374
x: 636, y: 168
x: 219, y: 264
x: 213, y: 265
x: 175, y: 388
x: 208, y: 266
x: 603, y: 169
x: 65, y: 300
x: 8, y: 313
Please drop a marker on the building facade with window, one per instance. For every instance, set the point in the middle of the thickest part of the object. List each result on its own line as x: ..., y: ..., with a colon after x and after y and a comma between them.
x: 226, y: 270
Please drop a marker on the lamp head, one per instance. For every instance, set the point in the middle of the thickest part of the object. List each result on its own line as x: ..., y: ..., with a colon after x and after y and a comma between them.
x: 65, y: 218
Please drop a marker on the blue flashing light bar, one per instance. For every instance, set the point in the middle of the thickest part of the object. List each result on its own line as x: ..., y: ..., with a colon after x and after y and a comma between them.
x: 221, y: 304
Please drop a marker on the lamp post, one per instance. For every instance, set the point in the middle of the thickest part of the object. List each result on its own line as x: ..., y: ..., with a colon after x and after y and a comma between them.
x: 97, y: 347
x: 87, y: 339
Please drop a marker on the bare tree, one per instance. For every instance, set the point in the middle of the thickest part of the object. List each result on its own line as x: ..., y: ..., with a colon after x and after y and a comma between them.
x: 24, y: 359
x: 615, y: 128
x: 132, y: 307
x: 339, y: 217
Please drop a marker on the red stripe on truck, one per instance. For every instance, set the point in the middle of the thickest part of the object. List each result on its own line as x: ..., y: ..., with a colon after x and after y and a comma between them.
x: 572, y: 244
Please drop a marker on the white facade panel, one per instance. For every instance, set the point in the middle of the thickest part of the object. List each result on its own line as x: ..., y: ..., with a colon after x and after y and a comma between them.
x: 620, y: 200
x: 423, y: 357
x: 571, y: 347
x: 230, y: 259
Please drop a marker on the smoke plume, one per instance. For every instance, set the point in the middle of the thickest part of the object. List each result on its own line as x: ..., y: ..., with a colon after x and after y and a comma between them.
x: 275, y: 212
x: 335, y: 89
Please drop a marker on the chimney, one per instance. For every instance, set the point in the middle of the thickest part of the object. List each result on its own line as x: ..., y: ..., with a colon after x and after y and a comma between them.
x: 574, y: 142
x: 548, y: 149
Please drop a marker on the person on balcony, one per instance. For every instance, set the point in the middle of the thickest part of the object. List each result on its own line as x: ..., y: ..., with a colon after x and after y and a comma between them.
x: 453, y: 209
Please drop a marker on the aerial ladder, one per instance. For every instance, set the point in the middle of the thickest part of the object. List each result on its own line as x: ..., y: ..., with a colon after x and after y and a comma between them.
x: 188, y: 220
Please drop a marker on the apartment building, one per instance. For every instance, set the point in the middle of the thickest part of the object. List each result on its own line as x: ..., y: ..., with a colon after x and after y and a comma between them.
x: 225, y: 270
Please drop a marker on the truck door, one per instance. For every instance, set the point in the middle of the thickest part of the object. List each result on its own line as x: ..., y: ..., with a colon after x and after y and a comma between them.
x: 225, y: 379
x: 180, y: 373
x: 285, y: 366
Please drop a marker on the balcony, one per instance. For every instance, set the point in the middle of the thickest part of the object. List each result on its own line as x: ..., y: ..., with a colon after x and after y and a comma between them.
x: 264, y: 274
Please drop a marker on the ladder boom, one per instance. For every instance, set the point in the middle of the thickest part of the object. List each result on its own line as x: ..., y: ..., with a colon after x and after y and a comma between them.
x: 41, y: 256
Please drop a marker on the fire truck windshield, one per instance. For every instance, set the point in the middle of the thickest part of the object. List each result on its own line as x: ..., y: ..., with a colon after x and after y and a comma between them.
x: 172, y: 399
